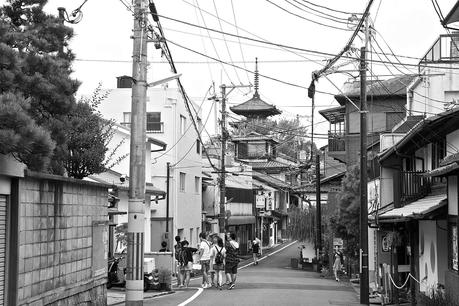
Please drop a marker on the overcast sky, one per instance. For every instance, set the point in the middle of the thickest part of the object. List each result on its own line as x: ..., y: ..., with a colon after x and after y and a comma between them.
x: 103, y: 46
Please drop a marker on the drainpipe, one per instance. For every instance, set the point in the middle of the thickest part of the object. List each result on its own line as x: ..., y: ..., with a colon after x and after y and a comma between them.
x: 410, y: 95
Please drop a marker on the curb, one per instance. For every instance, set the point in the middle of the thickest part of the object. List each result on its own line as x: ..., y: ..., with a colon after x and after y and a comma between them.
x: 145, y: 299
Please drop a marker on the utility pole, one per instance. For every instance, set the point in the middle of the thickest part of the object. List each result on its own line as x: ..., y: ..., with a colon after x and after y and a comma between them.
x: 318, y: 210
x: 222, y: 220
x: 136, y: 209
x: 364, y: 277
x: 168, y: 173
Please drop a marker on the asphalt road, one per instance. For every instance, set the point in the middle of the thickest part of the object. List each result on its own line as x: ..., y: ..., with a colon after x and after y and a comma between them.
x: 272, y: 282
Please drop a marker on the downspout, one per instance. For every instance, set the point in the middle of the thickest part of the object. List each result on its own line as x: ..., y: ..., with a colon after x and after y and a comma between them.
x: 410, y: 94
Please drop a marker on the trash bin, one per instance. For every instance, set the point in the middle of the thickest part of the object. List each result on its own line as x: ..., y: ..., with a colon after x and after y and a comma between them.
x: 294, y: 263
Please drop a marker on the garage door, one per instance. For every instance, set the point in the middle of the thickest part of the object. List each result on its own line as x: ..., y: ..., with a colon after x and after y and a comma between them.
x: 3, y: 215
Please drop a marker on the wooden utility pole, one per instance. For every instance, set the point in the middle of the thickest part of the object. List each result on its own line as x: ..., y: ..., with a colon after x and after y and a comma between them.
x: 222, y: 220
x: 364, y: 277
x: 168, y: 173
x: 136, y: 209
x: 318, y: 210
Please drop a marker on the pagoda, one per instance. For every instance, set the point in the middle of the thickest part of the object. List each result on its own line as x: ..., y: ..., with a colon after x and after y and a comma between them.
x: 255, y: 108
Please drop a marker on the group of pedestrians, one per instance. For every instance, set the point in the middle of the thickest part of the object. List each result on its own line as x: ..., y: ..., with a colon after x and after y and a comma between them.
x: 216, y: 258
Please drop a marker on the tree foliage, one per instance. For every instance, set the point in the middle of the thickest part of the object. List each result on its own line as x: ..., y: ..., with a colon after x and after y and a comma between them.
x: 301, y: 224
x: 35, y: 65
x: 20, y: 136
x: 346, y: 222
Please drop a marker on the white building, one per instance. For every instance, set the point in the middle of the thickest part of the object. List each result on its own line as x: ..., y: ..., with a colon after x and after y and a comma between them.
x: 167, y: 121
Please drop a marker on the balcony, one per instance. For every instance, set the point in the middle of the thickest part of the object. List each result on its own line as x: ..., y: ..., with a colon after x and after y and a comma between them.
x: 336, y: 142
x: 152, y: 127
x: 444, y: 50
x: 155, y: 127
x: 414, y: 186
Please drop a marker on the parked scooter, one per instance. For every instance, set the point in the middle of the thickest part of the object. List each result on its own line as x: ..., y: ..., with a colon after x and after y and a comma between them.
x: 117, y: 278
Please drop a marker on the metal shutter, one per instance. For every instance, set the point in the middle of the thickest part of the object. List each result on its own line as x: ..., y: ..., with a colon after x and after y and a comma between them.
x: 3, y: 224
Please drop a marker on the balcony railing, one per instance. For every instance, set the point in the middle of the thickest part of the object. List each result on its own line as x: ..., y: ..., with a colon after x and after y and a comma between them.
x: 152, y: 127
x: 414, y: 186
x: 445, y: 49
x: 336, y: 142
x: 155, y: 127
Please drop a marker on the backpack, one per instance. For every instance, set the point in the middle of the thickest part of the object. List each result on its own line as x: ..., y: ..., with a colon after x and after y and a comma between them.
x: 178, y: 249
x: 219, y: 257
x: 183, y: 258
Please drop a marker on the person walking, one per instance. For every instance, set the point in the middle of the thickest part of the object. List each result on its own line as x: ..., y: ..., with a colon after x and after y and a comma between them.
x: 186, y: 261
x: 217, y: 260
x: 255, y: 250
x: 204, y: 258
x: 337, y: 264
x: 177, y: 251
x: 212, y: 243
x: 232, y: 259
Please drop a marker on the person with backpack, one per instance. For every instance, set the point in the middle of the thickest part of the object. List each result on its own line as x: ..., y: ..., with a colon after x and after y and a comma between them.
x: 217, y: 259
x: 204, y: 258
x: 177, y: 250
x: 186, y: 261
x: 232, y: 259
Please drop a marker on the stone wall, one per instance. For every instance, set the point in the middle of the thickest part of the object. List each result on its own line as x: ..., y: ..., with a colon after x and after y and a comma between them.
x: 57, y: 220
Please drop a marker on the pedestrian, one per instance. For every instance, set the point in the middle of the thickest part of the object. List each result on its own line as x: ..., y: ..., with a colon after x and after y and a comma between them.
x: 204, y: 259
x: 164, y: 247
x: 255, y: 250
x: 232, y: 259
x: 337, y: 264
x: 217, y: 260
x: 210, y: 239
x: 186, y: 261
x: 177, y: 250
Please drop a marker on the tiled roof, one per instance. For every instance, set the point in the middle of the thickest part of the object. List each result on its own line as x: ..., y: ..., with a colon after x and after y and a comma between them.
x: 268, y: 164
x: 417, y: 209
x: 408, y: 124
x: 382, y: 88
x: 255, y: 105
x: 270, y: 180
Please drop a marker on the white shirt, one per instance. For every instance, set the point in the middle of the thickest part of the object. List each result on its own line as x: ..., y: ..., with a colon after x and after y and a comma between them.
x: 235, y: 244
x: 213, y: 252
x: 205, y: 247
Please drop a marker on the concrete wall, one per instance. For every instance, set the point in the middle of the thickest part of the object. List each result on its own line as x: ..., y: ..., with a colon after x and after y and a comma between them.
x: 185, y: 206
x: 62, y: 243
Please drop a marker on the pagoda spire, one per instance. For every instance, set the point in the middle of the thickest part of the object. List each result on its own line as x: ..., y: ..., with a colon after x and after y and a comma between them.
x: 256, y: 81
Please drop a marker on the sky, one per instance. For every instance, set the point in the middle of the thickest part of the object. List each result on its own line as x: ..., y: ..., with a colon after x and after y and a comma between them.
x: 103, y: 46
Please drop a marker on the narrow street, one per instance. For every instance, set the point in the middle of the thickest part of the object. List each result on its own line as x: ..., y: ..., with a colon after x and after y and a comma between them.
x: 272, y: 282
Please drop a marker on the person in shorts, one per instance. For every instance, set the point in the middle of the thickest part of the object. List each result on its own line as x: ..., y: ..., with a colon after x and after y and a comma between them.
x: 186, y: 261
x: 217, y: 260
x: 177, y: 250
x: 232, y: 259
x: 204, y: 259
x: 212, y: 241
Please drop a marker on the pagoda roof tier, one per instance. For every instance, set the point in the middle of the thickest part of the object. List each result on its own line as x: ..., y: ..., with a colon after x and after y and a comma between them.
x: 255, y: 107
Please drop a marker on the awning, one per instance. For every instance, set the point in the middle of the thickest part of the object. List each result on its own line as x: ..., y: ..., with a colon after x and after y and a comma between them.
x: 115, y: 211
x: 239, y: 220
x: 415, y: 210
x: 442, y: 171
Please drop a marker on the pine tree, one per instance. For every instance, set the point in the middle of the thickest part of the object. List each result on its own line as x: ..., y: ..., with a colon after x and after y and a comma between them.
x: 35, y: 64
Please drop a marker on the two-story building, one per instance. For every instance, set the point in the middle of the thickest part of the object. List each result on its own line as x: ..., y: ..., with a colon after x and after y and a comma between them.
x: 169, y: 122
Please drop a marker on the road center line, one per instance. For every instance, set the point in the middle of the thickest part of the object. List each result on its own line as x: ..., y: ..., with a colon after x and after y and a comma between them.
x: 192, y: 298
x: 201, y: 290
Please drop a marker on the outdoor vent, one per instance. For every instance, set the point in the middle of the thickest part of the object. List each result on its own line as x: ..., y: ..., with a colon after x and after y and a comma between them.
x: 124, y: 82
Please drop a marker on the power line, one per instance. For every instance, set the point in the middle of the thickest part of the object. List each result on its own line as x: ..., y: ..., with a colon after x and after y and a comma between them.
x: 307, y: 19
x: 239, y: 40
x: 326, y: 16
x: 331, y: 9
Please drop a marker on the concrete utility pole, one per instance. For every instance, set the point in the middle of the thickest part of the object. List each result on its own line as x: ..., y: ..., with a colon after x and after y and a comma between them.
x: 364, y: 277
x: 136, y: 209
x: 318, y: 210
x: 222, y: 221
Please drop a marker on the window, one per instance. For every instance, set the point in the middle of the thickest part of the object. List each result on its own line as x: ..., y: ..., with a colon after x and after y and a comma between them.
x: 154, y: 124
x: 197, y: 184
x: 198, y: 146
x: 191, y: 237
x: 182, y: 124
x: 256, y: 149
x: 126, y: 120
x: 438, y: 152
x: 182, y: 181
